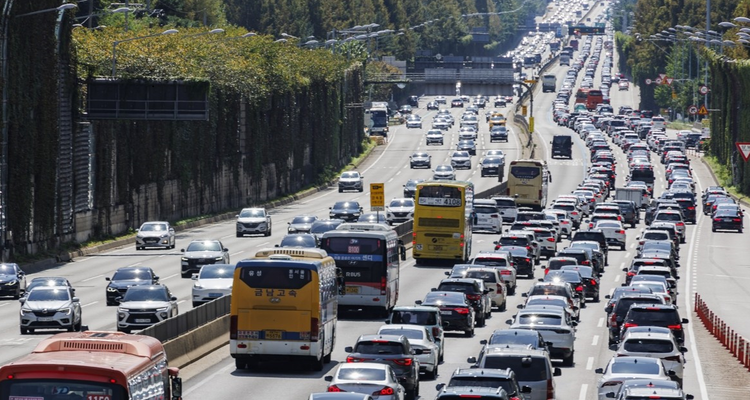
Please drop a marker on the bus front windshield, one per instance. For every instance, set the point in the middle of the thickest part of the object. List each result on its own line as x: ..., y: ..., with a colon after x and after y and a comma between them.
x: 54, y: 389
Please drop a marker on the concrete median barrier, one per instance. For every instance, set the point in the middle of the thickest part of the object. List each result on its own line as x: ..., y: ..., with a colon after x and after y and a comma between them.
x: 195, y: 344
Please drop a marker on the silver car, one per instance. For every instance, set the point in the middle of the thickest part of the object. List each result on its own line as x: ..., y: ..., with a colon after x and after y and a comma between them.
x: 414, y: 121
x: 434, y: 137
x: 367, y: 378
x: 301, y: 223
x: 155, y: 234
x: 202, y: 252
x: 143, y: 306
x: 400, y: 210
x: 444, y: 172
x: 555, y: 325
x: 351, y: 180
x: 50, y: 307
x: 421, y: 159
x: 461, y: 159
x: 654, y: 342
x: 419, y: 337
x: 253, y: 220
x: 212, y: 282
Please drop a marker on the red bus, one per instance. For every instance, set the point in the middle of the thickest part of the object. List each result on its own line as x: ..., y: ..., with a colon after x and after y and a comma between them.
x: 92, y: 366
x: 593, y: 98
x: 582, y: 96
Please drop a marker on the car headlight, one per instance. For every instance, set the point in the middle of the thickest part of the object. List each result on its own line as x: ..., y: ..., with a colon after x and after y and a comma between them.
x: 12, y: 283
x: 121, y: 314
x: 219, y: 259
x: 164, y: 235
x: 184, y: 259
x: 139, y: 236
x: 65, y: 310
x: 292, y: 230
x: 164, y: 315
x: 111, y: 289
x: 162, y: 309
x: 25, y: 311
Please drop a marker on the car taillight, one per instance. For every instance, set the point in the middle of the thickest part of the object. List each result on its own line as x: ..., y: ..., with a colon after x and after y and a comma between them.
x: 551, y: 239
x: 383, y: 284
x: 403, y: 361
x: 585, y: 262
x: 675, y: 327
x: 621, y: 232
x: 612, y: 320
x: 593, y: 282
x: 629, y: 325
x: 574, y: 213
x: 736, y: 219
x: 631, y: 273
x: 680, y: 224
x: 334, y: 388
x: 550, y: 390
x: 435, y: 331
x: 579, y: 288
x: 564, y: 222
x: 386, y: 391
x: 528, y: 260
x: 528, y: 247
x: 717, y: 219
x: 505, y: 272
x: 355, y: 359
x: 314, y: 329
x: 691, y: 208
x: 462, y: 311
x: 473, y: 296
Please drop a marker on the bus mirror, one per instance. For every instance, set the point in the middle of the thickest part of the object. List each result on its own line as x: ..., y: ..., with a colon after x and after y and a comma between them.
x: 342, y: 285
x: 176, y: 384
x: 402, y: 252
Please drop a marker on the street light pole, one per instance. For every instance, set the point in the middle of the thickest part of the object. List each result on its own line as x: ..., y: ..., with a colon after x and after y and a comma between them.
x: 116, y: 42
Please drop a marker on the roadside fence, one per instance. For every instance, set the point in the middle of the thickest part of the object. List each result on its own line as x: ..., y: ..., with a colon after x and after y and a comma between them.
x: 733, y: 341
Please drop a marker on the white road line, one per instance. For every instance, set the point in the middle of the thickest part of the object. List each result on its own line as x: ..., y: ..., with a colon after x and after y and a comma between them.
x: 589, y: 363
x: 169, y: 277
x: 595, y: 341
x: 234, y: 254
x: 89, y: 304
x: 617, y: 278
x: 262, y: 244
x: 93, y: 277
x: 390, y: 180
x: 627, y: 255
x: 600, y: 324
x: 399, y: 172
x: 584, y: 389
x: 84, y: 260
x: 611, y: 291
x: 181, y: 301
x: 4, y: 304
x: 229, y: 236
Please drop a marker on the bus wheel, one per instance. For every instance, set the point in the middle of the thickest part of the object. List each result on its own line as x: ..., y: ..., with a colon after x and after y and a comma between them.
x: 327, y: 358
x: 316, y: 363
x: 240, y: 363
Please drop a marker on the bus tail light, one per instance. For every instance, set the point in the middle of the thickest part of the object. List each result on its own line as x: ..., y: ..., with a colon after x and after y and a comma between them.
x: 314, y: 329
x: 383, y: 284
x: 233, y: 327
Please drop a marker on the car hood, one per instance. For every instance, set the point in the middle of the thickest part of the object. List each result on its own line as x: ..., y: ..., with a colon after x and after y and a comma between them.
x: 419, y: 158
x: 8, y: 278
x: 128, y: 305
x: 251, y: 219
x: 203, y: 254
x: 153, y: 233
x: 128, y: 283
x: 443, y: 173
x: 216, y: 283
x: 344, y: 210
x: 401, y: 209
x: 300, y: 227
x: 461, y: 158
x: 46, y: 305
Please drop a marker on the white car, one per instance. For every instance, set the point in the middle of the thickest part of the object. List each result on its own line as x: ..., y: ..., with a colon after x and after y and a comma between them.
x: 613, y: 231
x: 351, y: 180
x: 444, y: 172
x: 211, y: 282
x: 654, y: 342
x: 399, y: 210
x: 366, y: 378
x: 414, y: 121
x: 555, y: 325
x: 622, y: 368
x: 562, y: 217
x: 461, y: 159
x: 155, y: 234
x: 492, y: 279
x: 253, y: 220
x: 487, y: 216
x: 419, y: 337
x: 501, y: 261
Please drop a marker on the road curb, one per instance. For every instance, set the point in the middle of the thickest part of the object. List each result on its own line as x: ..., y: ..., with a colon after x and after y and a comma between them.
x: 64, y: 257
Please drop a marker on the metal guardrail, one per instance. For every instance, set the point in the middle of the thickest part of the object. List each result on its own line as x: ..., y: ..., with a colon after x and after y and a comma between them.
x: 195, y: 318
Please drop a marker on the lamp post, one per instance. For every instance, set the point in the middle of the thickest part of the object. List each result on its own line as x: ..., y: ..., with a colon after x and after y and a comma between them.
x: 116, y: 42
x: 87, y: 18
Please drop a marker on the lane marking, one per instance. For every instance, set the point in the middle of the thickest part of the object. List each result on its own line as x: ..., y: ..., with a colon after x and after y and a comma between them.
x: 169, y: 277
x: 595, y: 341
x: 589, y: 363
x: 600, y: 324
x: 617, y: 278
x: 89, y: 304
x: 93, y: 277
x: 584, y: 389
x: 234, y: 254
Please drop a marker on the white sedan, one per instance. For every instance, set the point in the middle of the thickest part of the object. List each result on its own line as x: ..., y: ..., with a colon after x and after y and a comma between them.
x: 613, y: 231
x: 620, y: 369
x: 366, y: 378
x: 419, y: 337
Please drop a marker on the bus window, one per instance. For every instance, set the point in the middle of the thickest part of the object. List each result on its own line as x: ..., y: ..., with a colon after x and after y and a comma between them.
x: 525, y: 173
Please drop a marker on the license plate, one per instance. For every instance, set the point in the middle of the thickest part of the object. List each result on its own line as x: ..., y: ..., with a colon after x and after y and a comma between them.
x: 446, y: 312
x: 273, y: 335
x: 142, y: 320
x: 352, y: 290
x: 727, y: 220
x: 436, y: 248
x: 215, y: 294
x: 44, y: 319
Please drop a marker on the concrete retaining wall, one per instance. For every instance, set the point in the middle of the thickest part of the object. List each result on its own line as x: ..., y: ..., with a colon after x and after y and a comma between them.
x: 197, y: 343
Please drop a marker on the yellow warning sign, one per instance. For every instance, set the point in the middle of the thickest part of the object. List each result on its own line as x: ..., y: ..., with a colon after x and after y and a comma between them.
x: 377, y: 197
x: 703, y: 110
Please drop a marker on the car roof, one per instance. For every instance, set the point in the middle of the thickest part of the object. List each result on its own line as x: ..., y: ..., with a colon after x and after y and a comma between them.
x: 416, y: 308
x: 376, y: 337
x: 487, y: 372
x: 648, y: 335
x: 504, y: 349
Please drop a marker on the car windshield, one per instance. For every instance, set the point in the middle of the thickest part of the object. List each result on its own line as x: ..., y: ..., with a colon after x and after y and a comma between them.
x: 153, y: 227
x: 443, y: 168
x: 204, y: 246
x: 216, y: 272
x: 414, y: 317
x: 361, y: 374
x: 408, y: 333
x: 668, y: 217
x: 303, y: 220
x: 402, y: 203
x: 487, y: 276
x: 512, y: 337
x: 136, y: 293
x: 379, y: 347
x: 323, y: 227
x: 648, y: 346
x: 461, y: 154
x: 346, y: 205
x: 492, y: 160
x: 630, y: 367
x: 252, y: 213
x: 539, y: 319
x: 350, y: 175
x: 456, y: 287
x: 131, y: 275
x: 49, y: 295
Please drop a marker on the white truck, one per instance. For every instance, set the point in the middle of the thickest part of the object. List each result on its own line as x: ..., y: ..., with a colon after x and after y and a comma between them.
x: 549, y: 83
x: 634, y: 194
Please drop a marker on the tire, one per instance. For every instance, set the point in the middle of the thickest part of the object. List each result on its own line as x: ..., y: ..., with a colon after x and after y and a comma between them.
x: 739, y: 230
x: 512, y: 290
x: 341, y: 190
x: 596, y: 299
x: 24, y: 331
x: 713, y: 229
x: 185, y: 274
x: 361, y: 189
x: 267, y: 233
x: 239, y: 234
x: 240, y: 363
x: 568, y: 361
x: 469, y: 333
x: 433, y: 374
x: 196, y: 304
x: 137, y: 248
x: 317, y: 364
x: 504, y: 307
x: 78, y: 326
x: 441, y: 357
x: 481, y: 322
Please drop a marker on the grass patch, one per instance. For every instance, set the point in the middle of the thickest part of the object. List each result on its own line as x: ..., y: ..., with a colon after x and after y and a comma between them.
x: 724, y: 176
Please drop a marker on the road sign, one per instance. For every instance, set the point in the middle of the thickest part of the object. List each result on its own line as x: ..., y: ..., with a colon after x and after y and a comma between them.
x: 674, y: 95
x: 377, y: 197
x: 585, y: 30
x: 703, y: 110
x: 744, y: 148
x: 530, y: 81
x: 703, y: 90
x: 648, y: 81
x: 662, y: 76
x: 669, y: 80
x: 693, y: 110
x: 658, y: 81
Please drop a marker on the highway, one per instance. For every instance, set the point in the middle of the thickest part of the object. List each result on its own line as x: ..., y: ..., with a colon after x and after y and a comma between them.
x: 704, y: 269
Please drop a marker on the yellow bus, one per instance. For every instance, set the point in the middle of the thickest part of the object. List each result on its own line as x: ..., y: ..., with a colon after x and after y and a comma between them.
x: 443, y: 220
x: 527, y: 182
x: 284, y: 305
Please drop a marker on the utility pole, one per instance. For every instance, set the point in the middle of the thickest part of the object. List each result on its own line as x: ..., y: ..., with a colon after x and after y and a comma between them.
x: 708, y: 29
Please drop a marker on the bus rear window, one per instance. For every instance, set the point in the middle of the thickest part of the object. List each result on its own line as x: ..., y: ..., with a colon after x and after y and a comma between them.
x: 275, y: 277
x: 345, y: 245
x: 527, y: 173
x: 442, y: 196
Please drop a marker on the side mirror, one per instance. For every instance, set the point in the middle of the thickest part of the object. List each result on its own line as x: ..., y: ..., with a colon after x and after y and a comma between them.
x: 540, y: 279
x: 689, y: 397
x: 76, y: 300
x: 107, y: 279
x: 328, y: 378
x: 483, y: 341
x: 156, y: 278
x: 225, y: 249
x: 182, y: 250
x: 173, y: 298
x: 447, y: 273
x: 625, y: 269
x: 557, y: 372
x: 599, y: 371
x: 22, y: 300
x: 607, y: 297
x: 471, y: 360
x: 610, y: 395
x: 439, y: 386
x: 194, y: 277
x: 433, y: 290
x: 524, y: 295
x: 418, y: 302
x: 509, y: 321
x: 519, y: 306
x: 683, y: 349
x: 685, y: 321
x: 348, y: 349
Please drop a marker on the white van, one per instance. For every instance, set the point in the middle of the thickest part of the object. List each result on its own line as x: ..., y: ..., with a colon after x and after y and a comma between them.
x: 658, y: 123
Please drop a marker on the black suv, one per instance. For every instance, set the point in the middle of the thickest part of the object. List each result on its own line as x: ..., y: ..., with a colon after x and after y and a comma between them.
x: 596, y: 235
x: 410, y: 188
x: 414, y: 101
x: 391, y: 350
x: 456, y: 311
x: 662, y: 315
x: 727, y: 219
x: 581, y: 255
x: 476, y: 378
x: 346, y: 210
x: 126, y: 277
x: 475, y: 291
x: 620, y: 309
x: 629, y: 212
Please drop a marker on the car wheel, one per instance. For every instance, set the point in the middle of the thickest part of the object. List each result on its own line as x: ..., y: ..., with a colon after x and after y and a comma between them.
x: 433, y: 374
x: 469, y: 333
x: 137, y: 247
x: 79, y: 325
x: 596, y: 299
x: 504, y: 306
x: 739, y: 230
x: 361, y: 189
x: 239, y: 234
x: 568, y: 361
x: 512, y: 290
x: 24, y: 331
x: 341, y: 190
x: 186, y: 274
x: 268, y: 233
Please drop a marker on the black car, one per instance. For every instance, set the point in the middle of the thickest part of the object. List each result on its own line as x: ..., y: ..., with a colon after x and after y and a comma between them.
x: 405, y: 109
x: 433, y: 105
x: 590, y: 281
x: 581, y: 255
x: 727, y: 219
x: 688, y: 209
x: 620, y: 309
x: 414, y: 101
x: 629, y: 212
x: 573, y: 278
x: 299, y: 240
x: 562, y: 146
x: 126, y: 277
x: 345, y: 210
x: 410, y: 188
x: 12, y: 280
x: 475, y: 291
x: 522, y: 257
x: 455, y: 310
x: 457, y: 103
x: 596, y: 235
x: 662, y: 315
x: 476, y: 379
